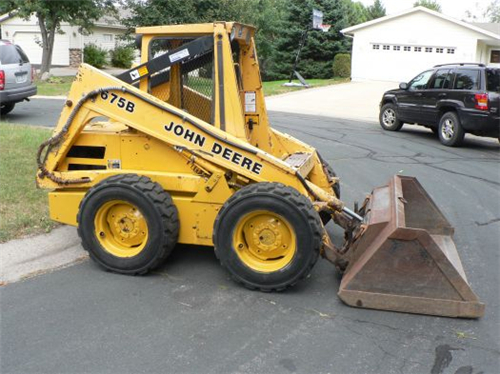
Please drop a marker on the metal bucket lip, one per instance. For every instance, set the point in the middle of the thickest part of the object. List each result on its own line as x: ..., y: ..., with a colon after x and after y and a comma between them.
x: 414, y: 305
x: 396, y: 213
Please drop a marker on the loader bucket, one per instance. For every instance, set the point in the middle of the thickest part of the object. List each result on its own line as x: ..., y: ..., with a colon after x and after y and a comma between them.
x: 406, y: 259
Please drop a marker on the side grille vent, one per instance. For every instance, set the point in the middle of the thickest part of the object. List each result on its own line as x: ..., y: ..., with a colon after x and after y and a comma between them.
x: 80, y: 151
x: 85, y: 167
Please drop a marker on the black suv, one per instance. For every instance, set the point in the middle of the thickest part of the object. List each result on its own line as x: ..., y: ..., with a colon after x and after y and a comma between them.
x: 450, y: 99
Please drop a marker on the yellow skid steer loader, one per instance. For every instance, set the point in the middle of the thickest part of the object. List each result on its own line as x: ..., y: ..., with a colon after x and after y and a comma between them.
x: 179, y: 150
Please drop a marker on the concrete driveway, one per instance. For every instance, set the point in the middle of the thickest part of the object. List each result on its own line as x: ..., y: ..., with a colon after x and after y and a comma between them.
x: 353, y: 100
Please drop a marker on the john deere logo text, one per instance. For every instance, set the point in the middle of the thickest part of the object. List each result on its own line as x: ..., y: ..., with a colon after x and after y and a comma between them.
x: 217, y: 149
x: 187, y: 134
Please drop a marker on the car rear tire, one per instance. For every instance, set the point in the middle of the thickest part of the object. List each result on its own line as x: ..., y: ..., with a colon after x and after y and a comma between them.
x: 451, y: 132
x: 7, y: 108
x: 389, y: 119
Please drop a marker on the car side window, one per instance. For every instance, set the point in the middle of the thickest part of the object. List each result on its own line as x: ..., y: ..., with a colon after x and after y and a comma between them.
x: 448, y: 82
x: 9, y: 54
x: 493, y: 80
x: 22, y: 55
x: 440, y: 80
x: 421, y: 80
x: 467, y: 79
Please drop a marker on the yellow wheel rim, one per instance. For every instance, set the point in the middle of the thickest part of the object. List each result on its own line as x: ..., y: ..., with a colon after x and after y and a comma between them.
x: 264, y: 241
x: 121, y: 228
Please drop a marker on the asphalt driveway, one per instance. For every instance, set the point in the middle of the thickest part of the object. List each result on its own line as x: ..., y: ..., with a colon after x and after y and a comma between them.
x: 188, y: 317
x: 36, y: 112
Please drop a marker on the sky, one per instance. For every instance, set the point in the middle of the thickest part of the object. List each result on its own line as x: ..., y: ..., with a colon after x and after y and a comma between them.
x: 452, y: 8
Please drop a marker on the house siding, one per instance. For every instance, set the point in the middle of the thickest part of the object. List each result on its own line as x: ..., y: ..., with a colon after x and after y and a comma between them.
x: 26, y: 33
x: 98, y: 37
x: 418, y: 29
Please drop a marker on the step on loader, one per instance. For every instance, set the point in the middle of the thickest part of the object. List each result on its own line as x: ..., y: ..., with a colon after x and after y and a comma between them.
x: 179, y: 149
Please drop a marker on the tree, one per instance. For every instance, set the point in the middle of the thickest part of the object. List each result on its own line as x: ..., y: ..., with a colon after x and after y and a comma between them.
x: 493, y: 11
x: 476, y: 13
x: 376, y: 10
x: 320, y: 48
x: 266, y: 15
x: 430, y: 4
x: 280, y: 25
x: 159, y: 12
x: 357, y: 13
x: 6, y: 7
x: 50, y: 15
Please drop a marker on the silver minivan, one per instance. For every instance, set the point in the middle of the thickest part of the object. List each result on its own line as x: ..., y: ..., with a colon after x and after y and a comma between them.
x: 16, y: 76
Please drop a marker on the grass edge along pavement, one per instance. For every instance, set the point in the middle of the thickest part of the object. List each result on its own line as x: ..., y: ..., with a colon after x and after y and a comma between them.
x: 60, y: 86
x: 54, y: 86
x: 272, y: 88
x: 23, y: 208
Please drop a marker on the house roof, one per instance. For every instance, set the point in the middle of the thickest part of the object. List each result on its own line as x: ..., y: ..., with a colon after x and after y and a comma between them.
x: 113, y: 20
x: 495, y: 34
x: 6, y: 16
x: 491, y: 27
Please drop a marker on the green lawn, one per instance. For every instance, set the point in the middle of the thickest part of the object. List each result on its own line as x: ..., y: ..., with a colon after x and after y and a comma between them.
x: 54, y: 86
x: 276, y: 87
x: 23, y: 208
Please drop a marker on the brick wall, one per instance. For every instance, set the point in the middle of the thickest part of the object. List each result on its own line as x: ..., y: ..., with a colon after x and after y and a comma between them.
x: 75, y: 57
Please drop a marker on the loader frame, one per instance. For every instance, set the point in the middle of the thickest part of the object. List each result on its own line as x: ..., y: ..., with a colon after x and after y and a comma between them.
x: 194, y: 157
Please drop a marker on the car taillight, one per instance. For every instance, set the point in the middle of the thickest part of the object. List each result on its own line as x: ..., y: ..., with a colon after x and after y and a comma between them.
x: 2, y: 79
x: 33, y: 73
x: 481, y: 101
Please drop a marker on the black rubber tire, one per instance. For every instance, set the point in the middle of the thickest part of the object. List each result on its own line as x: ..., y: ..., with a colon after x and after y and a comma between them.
x: 6, y: 108
x: 285, y: 201
x: 390, y: 109
x: 156, y: 206
x: 456, y: 138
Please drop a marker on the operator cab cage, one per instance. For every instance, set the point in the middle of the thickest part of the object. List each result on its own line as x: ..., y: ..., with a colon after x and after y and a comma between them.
x: 183, y: 64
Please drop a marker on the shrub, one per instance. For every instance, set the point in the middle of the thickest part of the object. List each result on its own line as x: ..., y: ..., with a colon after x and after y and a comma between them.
x: 122, y: 57
x: 54, y: 80
x: 342, y: 65
x: 94, y: 55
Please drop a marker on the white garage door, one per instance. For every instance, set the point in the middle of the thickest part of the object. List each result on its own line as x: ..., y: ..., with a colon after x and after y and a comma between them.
x: 398, y: 63
x: 30, y: 43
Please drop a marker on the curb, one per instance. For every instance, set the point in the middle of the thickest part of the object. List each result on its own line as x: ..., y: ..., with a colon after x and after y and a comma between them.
x: 27, y: 257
